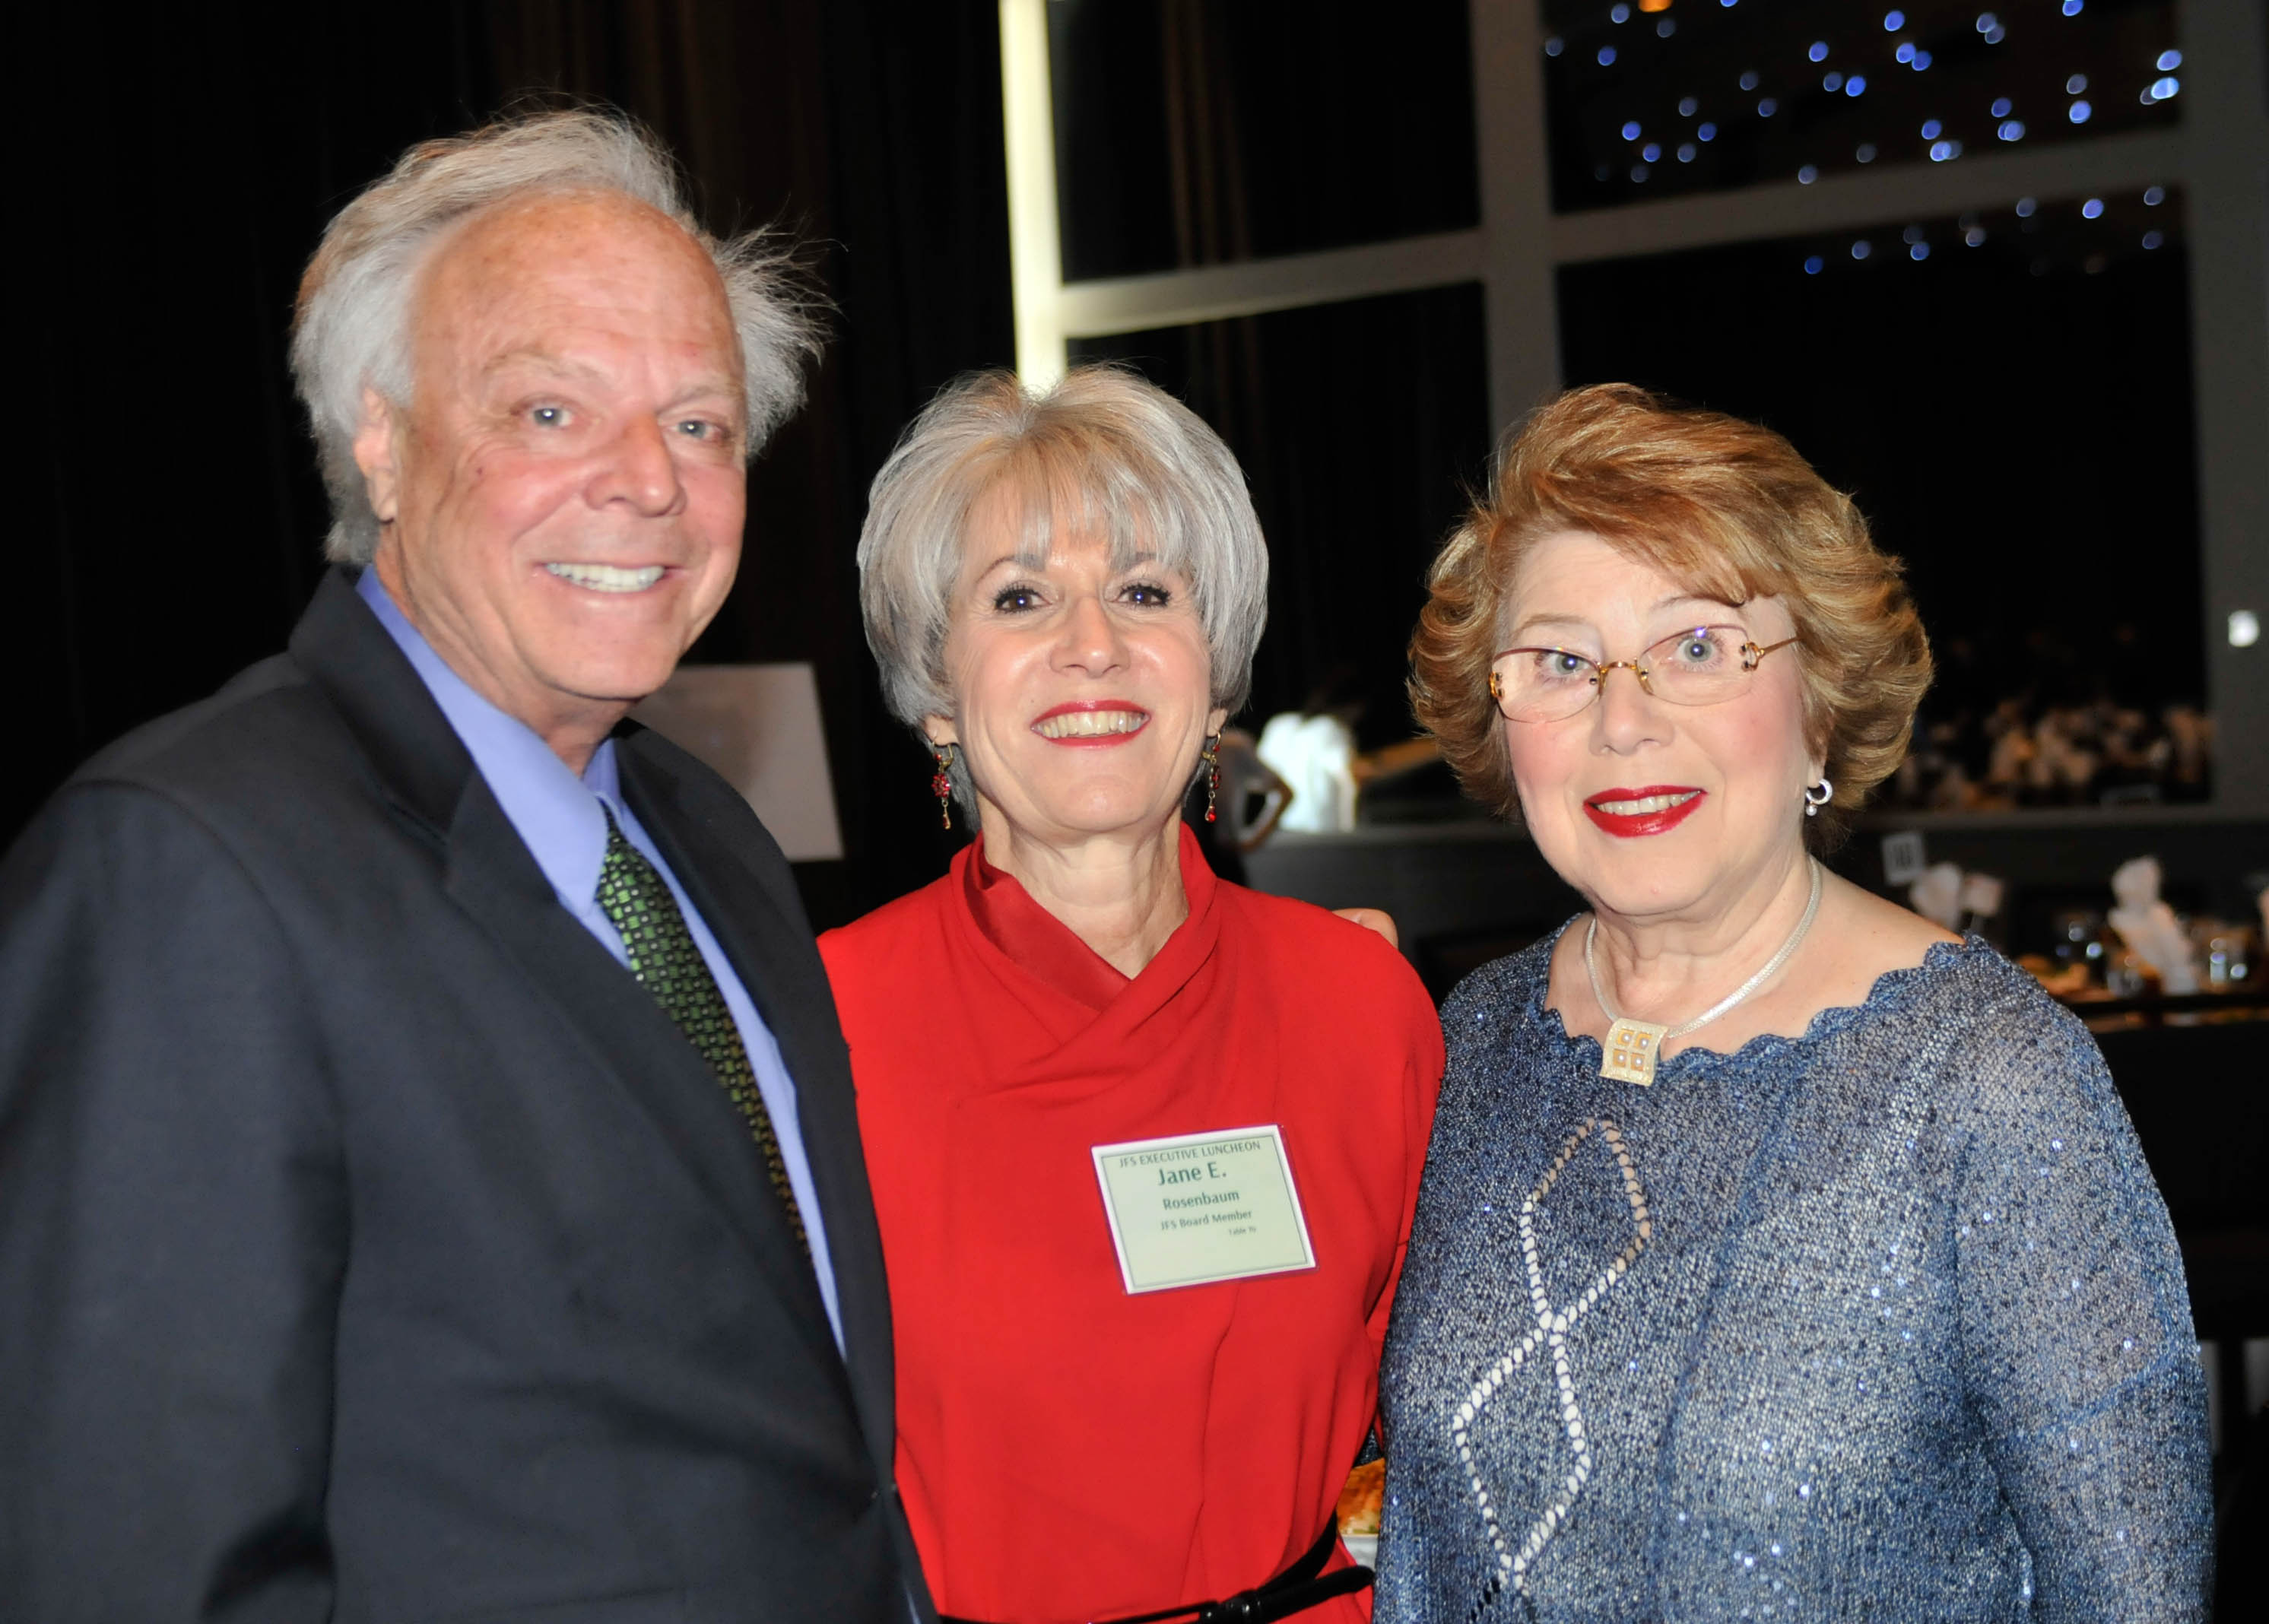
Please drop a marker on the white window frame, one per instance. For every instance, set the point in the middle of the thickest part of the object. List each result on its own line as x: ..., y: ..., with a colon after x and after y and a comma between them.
x: 2218, y: 155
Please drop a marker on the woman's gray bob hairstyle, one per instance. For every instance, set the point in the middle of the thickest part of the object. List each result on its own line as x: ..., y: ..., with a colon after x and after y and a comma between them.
x: 1102, y: 453
x: 352, y: 325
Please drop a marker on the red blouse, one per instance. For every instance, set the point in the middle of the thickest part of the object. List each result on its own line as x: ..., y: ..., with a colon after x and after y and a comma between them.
x: 1068, y: 1451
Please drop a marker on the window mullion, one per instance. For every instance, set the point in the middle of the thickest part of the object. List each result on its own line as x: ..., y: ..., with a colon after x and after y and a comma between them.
x: 1035, y: 249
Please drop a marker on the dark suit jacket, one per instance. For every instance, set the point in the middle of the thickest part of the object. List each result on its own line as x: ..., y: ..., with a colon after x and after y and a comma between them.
x: 371, y: 1243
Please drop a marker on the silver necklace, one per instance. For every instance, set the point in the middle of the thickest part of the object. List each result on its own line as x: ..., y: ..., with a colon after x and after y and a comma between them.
x: 1633, y: 1046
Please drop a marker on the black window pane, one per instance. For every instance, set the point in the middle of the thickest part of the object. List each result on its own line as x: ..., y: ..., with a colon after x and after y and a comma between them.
x: 1360, y: 425
x: 2007, y: 396
x: 1647, y: 97
x: 1193, y: 133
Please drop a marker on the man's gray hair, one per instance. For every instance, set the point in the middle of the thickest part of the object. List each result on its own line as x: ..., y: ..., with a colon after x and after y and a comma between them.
x: 1103, y: 455
x: 351, y: 327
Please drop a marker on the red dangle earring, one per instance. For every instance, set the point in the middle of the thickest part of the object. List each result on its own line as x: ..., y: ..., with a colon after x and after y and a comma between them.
x: 1212, y: 759
x: 940, y: 783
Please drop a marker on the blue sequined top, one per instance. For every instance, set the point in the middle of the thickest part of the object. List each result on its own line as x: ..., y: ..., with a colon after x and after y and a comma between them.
x: 1886, y: 1321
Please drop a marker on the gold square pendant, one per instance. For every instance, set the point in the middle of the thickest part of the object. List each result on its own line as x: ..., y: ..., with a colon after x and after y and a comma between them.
x: 1629, y: 1053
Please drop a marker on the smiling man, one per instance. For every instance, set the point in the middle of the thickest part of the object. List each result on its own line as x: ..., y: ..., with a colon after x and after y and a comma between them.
x: 429, y: 1179
x: 560, y: 502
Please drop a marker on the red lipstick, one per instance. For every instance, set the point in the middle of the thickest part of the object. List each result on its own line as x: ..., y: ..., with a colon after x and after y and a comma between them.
x: 1630, y: 825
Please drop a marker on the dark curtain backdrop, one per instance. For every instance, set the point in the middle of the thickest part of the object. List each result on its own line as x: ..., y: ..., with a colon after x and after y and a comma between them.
x: 185, y: 159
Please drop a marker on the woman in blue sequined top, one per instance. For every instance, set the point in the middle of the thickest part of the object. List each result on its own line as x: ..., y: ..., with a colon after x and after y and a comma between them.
x: 1780, y: 1256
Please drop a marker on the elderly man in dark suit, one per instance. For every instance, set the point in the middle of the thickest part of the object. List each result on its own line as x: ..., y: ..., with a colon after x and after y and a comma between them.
x: 429, y: 1180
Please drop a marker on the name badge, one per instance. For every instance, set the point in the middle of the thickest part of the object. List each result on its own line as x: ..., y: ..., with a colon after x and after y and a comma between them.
x: 1199, y: 1208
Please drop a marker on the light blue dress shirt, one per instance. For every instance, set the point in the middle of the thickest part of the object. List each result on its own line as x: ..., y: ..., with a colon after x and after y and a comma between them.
x: 559, y: 817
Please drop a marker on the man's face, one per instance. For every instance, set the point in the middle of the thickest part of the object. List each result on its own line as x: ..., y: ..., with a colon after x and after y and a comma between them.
x: 563, y: 497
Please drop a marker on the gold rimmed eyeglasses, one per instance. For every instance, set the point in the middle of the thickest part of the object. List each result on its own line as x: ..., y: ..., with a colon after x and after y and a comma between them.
x: 1701, y: 665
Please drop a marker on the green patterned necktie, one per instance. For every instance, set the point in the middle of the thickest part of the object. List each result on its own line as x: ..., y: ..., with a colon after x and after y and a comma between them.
x: 664, y: 958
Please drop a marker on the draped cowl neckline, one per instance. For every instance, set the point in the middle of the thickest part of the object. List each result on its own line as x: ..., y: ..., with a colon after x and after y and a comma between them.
x: 1074, y: 994
x: 1068, y: 1449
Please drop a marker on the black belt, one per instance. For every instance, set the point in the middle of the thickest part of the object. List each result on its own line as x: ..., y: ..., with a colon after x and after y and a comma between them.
x: 1299, y: 1588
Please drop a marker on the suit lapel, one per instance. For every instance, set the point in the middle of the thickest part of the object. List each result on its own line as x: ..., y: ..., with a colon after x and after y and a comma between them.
x: 723, y: 857
x: 422, y: 767
x: 492, y: 877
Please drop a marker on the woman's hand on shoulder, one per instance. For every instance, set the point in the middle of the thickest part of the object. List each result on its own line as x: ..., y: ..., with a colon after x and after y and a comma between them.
x: 1374, y: 918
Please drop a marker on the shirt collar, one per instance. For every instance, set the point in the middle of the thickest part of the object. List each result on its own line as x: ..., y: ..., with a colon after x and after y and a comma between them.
x: 556, y: 813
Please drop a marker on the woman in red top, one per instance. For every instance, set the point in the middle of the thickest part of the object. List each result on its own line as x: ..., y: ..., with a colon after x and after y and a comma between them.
x: 1144, y: 1145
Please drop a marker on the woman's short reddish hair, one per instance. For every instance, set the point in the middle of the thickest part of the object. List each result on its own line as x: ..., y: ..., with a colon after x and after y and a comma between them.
x: 1724, y: 507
